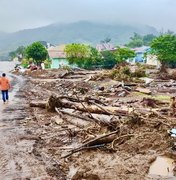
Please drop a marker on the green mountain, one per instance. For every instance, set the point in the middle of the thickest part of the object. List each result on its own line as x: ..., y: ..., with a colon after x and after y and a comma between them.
x: 79, y: 32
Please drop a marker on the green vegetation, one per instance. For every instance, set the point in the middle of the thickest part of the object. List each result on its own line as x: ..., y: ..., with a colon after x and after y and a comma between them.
x: 37, y: 52
x: 163, y: 98
x: 147, y: 39
x: 108, y: 59
x: 34, y: 53
x: 47, y: 63
x: 26, y: 62
x: 78, y: 54
x: 138, y: 40
x: 164, y: 47
x: 124, y: 73
x: 88, y: 57
x: 122, y: 54
x: 19, y: 52
x: 83, y: 55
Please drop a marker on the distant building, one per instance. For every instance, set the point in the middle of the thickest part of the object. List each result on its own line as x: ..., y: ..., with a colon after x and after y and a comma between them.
x: 57, y: 56
x: 152, y: 60
x: 143, y: 56
x: 105, y: 47
x: 140, y: 55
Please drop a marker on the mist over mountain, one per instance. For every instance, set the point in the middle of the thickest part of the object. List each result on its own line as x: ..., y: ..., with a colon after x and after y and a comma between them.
x: 78, y: 32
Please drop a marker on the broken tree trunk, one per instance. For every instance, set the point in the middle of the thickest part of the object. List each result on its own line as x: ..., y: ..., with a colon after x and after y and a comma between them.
x: 143, y: 90
x: 74, y: 115
x: 56, y: 102
x: 40, y: 104
x: 100, y: 140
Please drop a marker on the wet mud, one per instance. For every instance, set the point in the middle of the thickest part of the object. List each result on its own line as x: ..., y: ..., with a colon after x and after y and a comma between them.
x: 16, y: 158
x: 35, y: 141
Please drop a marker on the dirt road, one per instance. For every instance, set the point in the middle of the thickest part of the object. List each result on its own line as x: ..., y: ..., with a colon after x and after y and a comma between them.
x: 17, y: 161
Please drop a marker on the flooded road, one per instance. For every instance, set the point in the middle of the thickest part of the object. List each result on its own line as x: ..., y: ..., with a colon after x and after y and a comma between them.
x: 16, y: 158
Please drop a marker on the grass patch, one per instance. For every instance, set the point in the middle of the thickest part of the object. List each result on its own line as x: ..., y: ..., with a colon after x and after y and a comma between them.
x: 157, y: 97
x: 162, y: 97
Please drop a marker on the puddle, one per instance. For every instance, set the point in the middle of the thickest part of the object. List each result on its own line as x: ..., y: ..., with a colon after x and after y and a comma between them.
x: 162, y: 166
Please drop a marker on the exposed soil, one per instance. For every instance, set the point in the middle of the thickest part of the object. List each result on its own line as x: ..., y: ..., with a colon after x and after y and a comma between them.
x: 16, y: 157
x: 40, y: 141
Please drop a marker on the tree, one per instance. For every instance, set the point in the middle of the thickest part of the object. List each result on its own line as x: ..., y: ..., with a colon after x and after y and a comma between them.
x: 136, y: 41
x: 123, y: 54
x: 12, y: 55
x: 95, y: 59
x: 37, y: 52
x: 164, y: 47
x: 109, y: 59
x: 170, y: 32
x: 88, y: 57
x: 77, y: 53
x: 147, y: 39
x: 136, y: 36
x: 19, y: 53
x: 20, y: 50
x: 106, y: 40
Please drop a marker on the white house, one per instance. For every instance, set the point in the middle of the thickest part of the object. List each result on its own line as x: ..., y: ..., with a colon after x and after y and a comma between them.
x: 152, y: 60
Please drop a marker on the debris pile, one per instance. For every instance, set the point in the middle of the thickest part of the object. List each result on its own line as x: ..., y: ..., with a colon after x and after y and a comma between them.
x: 96, y: 126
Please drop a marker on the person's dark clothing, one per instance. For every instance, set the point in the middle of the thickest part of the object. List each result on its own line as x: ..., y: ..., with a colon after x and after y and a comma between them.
x: 5, y: 95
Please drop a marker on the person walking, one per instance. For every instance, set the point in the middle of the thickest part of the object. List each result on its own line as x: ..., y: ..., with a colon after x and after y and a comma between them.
x: 4, y: 86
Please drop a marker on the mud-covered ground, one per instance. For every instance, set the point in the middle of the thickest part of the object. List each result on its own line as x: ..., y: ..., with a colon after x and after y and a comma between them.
x: 16, y: 158
x: 141, y: 133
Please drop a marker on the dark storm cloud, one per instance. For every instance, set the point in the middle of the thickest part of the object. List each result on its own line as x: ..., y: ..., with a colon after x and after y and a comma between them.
x: 20, y: 14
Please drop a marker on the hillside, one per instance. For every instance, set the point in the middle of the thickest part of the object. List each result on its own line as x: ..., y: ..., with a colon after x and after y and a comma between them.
x: 83, y: 32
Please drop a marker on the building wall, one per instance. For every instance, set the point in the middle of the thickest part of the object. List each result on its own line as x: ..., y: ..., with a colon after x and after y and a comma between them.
x: 139, y: 58
x: 58, y: 63
x: 152, y: 60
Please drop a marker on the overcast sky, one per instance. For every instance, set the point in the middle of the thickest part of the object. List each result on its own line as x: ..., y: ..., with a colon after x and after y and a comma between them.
x: 23, y: 14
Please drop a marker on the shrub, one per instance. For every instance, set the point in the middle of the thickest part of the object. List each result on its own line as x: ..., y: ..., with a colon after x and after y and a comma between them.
x: 139, y: 73
x: 47, y: 63
x: 26, y: 62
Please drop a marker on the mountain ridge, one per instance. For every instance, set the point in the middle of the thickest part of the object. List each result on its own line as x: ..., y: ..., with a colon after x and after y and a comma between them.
x: 78, y: 32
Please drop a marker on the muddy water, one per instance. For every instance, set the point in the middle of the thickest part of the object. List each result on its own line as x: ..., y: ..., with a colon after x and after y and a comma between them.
x: 162, y: 166
x: 16, y: 159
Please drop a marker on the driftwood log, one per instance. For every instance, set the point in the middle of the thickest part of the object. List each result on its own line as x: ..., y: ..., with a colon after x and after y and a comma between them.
x: 57, y: 102
x: 40, y: 104
x: 94, y: 143
x: 143, y: 90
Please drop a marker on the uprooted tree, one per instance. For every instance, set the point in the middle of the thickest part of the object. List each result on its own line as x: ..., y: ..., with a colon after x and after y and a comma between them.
x: 164, y: 47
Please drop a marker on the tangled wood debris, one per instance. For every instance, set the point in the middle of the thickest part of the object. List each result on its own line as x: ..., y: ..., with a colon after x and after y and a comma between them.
x: 86, y: 118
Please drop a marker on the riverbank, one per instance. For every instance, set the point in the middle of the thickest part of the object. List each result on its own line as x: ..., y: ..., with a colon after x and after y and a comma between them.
x: 138, y: 137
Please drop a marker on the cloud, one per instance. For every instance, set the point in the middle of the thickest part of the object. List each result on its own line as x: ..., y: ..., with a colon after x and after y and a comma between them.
x: 20, y: 14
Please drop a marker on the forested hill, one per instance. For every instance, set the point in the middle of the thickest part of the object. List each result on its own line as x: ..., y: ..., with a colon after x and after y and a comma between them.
x: 82, y: 32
